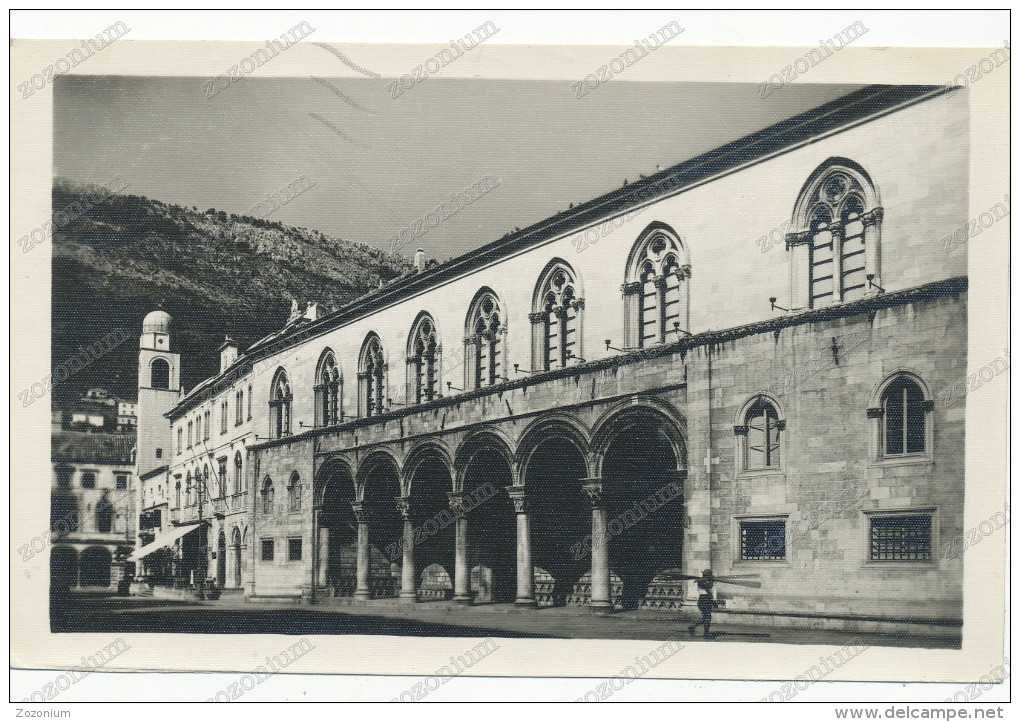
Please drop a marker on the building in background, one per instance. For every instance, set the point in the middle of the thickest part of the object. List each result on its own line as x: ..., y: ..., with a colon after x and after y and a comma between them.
x: 97, y: 411
x: 92, y: 511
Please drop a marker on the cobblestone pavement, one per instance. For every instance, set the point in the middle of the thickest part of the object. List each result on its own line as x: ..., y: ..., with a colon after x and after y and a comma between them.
x: 233, y: 616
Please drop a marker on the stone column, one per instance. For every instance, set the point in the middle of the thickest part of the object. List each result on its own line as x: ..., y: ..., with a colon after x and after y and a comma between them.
x: 461, y: 569
x: 408, y: 589
x: 872, y: 248
x: 838, y: 234
x: 323, y: 551
x: 362, y: 589
x: 799, y: 246
x: 525, y: 569
x: 601, y: 602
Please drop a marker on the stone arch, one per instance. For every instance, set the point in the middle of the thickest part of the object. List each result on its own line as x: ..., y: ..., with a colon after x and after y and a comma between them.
x: 159, y: 373
x: 372, y: 461
x: 421, y: 453
x: 63, y: 567
x: 552, y: 426
x: 654, y: 228
x: 95, y: 566
x: 487, y: 438
x: 802, y: 208
x: 641, y: 409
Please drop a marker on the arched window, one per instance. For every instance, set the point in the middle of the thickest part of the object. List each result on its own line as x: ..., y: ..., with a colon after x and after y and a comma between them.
x: 159, y: 374
x: 328, y: 391
x: 423, y: 352
x: 279, y: 406
x: 104, y: 515
x: 903, y: 418
x: 294, y: 492
x: 759, y: 436
x: 372, y: 377
x: 267, y: 496
x: 836, y: 238
x: 238, y: 473
x: 486, y: 331
x: 557, y: 318
x: 656, y: 295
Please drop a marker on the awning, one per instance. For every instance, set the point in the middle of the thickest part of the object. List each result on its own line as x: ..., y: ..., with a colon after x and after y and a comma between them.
x: 164, y: 540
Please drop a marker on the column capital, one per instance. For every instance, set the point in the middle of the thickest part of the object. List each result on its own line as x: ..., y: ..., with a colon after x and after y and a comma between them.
x: 362, y: 511
x: 457, y: 501
x: 796, y: 239
x: 874, y: 216
x: 537, y: 317
x: 404, y: 506
x: 592, y: 486
x: 519, y: 498
x: 632, y: 287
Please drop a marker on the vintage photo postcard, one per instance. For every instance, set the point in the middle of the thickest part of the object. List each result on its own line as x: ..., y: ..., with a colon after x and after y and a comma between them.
x: 486, y: 359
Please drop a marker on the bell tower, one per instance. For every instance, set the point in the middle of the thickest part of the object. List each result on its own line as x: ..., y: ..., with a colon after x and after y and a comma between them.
x: 159, y: 389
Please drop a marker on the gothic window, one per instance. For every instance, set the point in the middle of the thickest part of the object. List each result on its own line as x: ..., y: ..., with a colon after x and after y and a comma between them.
x: 834, y: 215
x: 328, y: 391
x: 759, y: 436
x: 372, y: 377
x: 159, y: 373
x: 656, y: 294
x: 485, y: 340
x: 238, y: 474
x: 903, y: 418
x: 294, y: 492
x: 221, y: 492
x: 423, y: 352
x: 267, y: 496
x: 104, y: 515
x: 279, y: 406
x: 557, y: 318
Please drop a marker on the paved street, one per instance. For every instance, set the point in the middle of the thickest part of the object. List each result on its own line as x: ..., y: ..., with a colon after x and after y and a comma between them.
x: 234, y: 616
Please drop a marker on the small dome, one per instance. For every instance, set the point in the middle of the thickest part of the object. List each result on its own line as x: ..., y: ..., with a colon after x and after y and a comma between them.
x: 157, y: 322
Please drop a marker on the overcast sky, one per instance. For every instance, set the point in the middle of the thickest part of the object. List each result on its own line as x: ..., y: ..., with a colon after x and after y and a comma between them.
x: 385, y: 163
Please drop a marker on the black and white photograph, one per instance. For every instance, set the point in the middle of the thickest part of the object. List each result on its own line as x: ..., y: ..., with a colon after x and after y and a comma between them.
x: 474, y: 354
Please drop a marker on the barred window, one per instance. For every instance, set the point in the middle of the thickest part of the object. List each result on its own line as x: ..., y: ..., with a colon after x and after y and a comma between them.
x: 267, y: 550
x: 901, y: 537
x: 763, y: 540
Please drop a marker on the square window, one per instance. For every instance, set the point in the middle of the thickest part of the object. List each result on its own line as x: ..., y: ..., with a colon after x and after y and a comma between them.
x: 900, y: 537
x: 159, y: 453
x: 763, y: 540
x: 267, y: 550
x: 122, y: 481
x: 88, y: 480
x: 294, y: 550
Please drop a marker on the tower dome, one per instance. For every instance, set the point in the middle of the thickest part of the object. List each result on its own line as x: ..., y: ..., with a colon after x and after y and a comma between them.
x: 157, y: 322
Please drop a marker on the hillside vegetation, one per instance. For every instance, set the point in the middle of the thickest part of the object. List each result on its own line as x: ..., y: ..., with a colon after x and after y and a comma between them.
x: 215, y: 273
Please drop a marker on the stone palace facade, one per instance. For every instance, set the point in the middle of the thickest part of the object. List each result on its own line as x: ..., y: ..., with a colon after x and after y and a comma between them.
x: 732, y: 364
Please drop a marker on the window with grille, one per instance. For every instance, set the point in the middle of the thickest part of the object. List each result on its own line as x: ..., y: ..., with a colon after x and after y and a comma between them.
x: 268, y: 550
x: 901, y: 537
x: 122, y: 481
x: 763, y: 540
x: 903, y: 418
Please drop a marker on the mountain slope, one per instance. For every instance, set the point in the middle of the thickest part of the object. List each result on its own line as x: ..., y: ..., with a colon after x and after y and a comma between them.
x: 215, y: 273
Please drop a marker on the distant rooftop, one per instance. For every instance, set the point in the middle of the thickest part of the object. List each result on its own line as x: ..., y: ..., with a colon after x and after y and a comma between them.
x: 84, y: 447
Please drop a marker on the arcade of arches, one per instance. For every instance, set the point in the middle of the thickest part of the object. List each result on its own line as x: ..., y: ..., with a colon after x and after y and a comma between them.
x: 562, y: 515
